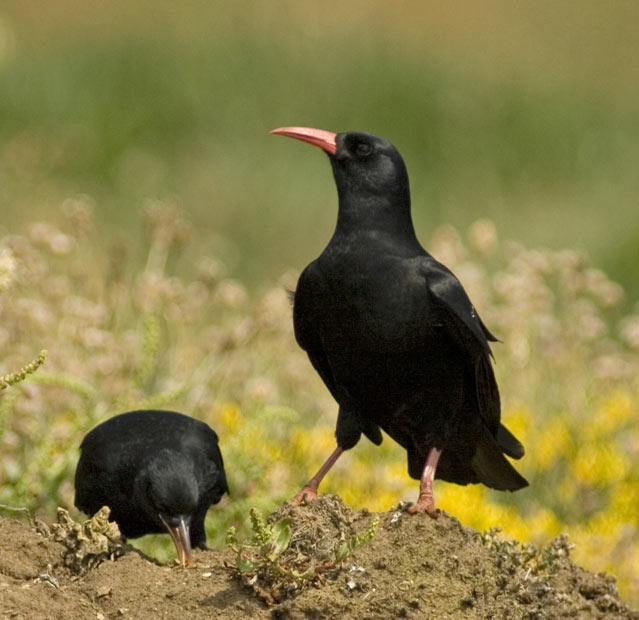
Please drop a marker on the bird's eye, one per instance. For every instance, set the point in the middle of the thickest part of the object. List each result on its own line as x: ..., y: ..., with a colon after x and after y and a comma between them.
x: 363, y: 149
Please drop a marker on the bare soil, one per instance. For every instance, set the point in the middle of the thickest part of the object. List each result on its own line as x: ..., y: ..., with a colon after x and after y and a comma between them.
x: 414, y: 567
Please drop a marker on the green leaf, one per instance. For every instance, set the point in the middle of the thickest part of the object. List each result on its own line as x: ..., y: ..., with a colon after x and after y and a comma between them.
x: 281, y: 536
x: 356, y: 541
x: 342, y: 552
x: 244, y: 565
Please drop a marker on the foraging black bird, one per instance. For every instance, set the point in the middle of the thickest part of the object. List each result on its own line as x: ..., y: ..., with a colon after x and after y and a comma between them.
x: 157, y: 471
x: 393, y: 334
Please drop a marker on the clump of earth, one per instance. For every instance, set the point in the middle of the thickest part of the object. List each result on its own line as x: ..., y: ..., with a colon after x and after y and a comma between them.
x: 413, y: 567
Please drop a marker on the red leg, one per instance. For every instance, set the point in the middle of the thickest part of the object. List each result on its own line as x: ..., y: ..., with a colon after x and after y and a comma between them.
x: 309, y: 492
x: 426, y: 500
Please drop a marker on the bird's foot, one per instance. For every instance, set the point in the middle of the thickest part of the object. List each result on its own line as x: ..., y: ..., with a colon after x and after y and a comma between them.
x: 305, y: 496
x: 425, y: 503
x: 426, y: 500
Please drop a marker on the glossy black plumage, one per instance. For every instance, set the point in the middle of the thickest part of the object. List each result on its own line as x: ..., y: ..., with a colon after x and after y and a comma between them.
x: 155, y: 470
x: 392, y: 332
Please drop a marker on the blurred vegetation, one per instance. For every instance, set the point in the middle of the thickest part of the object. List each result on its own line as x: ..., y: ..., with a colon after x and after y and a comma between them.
x: 124, y: 332
x: 525, y: 113
x: 521, y: 113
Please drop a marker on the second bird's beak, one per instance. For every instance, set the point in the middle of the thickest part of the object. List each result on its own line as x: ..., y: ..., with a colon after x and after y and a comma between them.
x: 319, y: 137
x: 181, y: 538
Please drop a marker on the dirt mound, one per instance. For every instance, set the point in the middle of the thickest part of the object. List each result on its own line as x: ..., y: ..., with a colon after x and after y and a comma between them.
x: 412, y: 567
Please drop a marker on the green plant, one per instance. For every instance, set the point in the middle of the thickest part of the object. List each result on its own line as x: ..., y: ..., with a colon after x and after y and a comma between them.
x: 526, y: 557
x: 267, y: 563
x: 356, y: 541
x: 15, y: 377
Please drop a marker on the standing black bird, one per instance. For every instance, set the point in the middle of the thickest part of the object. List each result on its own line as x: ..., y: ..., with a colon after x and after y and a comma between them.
x: 157, y: 471
x: 393, y: 334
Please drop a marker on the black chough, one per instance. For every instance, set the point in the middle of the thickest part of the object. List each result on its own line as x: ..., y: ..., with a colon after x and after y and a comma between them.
x: 393, y: 334
x: 157, y: 471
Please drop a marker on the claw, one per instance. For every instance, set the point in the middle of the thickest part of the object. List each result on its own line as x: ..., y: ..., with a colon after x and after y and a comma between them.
x: 424, y: 504
x: 305, y: 496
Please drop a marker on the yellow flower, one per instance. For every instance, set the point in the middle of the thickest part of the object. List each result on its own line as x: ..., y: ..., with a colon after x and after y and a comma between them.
x: 616, y: 411
x: 231, y: 417
x: 552, y: 443
x: 298, y: 444
x: 519, y: 422
x: 545, y: 522
x: 604, y: 524
x: 599, y: 464
x: 323, y: 441
x: 468, y: 504
x: 624, y: 502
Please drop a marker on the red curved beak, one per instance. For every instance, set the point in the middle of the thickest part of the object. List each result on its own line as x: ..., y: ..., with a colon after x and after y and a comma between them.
x: 324, y: 139
x: 181, y: 539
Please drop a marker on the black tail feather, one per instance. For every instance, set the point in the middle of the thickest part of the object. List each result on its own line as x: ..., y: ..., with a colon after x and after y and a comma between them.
x: 509, y: 443
x: 492, y: 467
x: 372, y: 432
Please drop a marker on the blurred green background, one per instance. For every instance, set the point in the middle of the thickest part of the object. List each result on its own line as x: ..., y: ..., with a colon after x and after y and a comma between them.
x: 522, y: 112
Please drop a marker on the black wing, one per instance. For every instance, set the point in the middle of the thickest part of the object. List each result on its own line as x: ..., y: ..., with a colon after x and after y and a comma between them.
x: 216, y: 467
x: 311, y: 302
x: 97, y: 485
x: 464, y: 321
x: 459, y: 317
x: 311, y: 296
